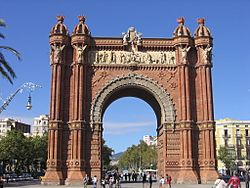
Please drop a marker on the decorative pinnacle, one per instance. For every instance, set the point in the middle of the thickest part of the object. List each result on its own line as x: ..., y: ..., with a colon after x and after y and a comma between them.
x: 81, y: 18
x: 60, y: 18
x: 181, y: 20
x: 201, y: 21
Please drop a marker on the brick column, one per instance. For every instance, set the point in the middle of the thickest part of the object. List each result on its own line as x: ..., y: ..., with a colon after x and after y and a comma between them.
x: 77, y: 125
x: 187, y: 173
x: 54, y: 174
x: 206, y: 122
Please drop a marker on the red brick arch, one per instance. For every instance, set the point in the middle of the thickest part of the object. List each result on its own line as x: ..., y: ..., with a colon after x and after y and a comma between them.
x: 172, y: 74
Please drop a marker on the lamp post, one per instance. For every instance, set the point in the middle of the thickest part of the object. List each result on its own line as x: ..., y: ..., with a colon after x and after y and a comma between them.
x: 29, y: 86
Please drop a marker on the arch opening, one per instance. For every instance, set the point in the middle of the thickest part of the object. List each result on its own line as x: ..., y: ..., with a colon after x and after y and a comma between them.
x: 137, y: 92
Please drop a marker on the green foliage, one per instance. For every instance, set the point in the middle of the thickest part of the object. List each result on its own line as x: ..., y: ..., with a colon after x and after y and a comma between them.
x: 5, y: 69
x: 139, y: 156
x: 106, y: 155
x: 226, y: 156
x: 23, y: 153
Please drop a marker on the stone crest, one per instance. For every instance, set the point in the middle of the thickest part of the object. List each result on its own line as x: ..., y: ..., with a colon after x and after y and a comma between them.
x: 132, y: 38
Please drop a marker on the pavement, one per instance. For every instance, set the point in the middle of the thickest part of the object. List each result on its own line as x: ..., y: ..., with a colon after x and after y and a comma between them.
x: 36, y: 184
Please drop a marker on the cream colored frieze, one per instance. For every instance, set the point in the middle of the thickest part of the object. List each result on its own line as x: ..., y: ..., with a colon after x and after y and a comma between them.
x: 123, y: 57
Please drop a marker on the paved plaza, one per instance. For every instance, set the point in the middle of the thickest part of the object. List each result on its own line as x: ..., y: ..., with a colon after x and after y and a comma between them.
x: 37, y: 184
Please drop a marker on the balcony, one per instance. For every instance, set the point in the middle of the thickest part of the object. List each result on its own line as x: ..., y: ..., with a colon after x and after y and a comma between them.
x: 238, y: 135
x: 230, y: 146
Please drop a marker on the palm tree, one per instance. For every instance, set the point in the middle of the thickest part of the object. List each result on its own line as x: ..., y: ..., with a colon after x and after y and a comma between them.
x: 5, y: 69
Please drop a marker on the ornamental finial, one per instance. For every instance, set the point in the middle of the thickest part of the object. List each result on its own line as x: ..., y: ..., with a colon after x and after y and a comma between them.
x: 60, y: 18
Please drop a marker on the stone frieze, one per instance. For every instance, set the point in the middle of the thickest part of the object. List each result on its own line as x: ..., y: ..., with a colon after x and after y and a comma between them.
x: 123, y: 57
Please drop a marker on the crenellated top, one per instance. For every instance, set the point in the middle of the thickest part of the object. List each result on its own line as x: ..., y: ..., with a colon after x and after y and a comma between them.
x: 81, y: 33
x: 59, y: 28
x: 181, y: 30
x: 202, y: 30
x: 81, y: 27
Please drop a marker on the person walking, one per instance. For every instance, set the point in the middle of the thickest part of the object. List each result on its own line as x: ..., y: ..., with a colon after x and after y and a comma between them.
x: 220, y: 183
x: 168, y: 180
x: 103, y: 182
x: 85, y: 181
x: 162, y: 182
x: 150, y: 180
x: 247, y: 178
x: 144, y: 179
x: 94, y: 181
x: 1, y: 182
x: 234, y: 181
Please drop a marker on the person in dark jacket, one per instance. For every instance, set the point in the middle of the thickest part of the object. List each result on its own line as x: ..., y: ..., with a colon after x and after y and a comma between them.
x: 247, y: 178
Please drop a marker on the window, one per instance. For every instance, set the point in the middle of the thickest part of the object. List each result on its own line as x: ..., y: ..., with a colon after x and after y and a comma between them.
x: 238, y: 142
x: 246, y: 132
x: 237, y: 125
x: 237, y: 132
x: 246, y: 125
x: 225, y: 132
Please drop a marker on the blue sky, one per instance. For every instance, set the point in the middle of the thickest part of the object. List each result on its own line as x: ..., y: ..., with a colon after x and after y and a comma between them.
x: 29, y: 23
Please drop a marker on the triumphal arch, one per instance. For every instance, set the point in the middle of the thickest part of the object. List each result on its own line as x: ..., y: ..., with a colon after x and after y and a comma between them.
x: 173, y: 75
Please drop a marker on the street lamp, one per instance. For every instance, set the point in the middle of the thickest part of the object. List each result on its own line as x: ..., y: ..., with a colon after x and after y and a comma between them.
x: 29, y: 105
x: 29, y: 86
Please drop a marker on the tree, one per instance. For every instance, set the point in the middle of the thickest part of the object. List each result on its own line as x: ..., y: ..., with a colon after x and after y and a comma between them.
x: 40, y: 153
x: 16, y: 150
x: 5, y: 69
x: 106, y: 155
x: 227, y: 157
x: 139, y: 156
x: 22, y: 153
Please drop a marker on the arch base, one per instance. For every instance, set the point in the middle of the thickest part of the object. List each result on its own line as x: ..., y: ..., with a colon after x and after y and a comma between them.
x: 53, y: 177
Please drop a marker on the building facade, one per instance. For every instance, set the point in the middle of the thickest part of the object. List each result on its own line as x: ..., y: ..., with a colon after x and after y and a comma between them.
x: 40, y: 125
x: 173, y: 75
x: 150, y: 140
x: 9, y: 124
x: 235, y: 136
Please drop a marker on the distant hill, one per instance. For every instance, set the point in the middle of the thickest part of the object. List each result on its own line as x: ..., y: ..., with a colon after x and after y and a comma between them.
x: 116, y: 156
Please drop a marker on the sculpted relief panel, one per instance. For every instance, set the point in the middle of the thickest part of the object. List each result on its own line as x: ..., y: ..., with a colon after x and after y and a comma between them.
x: 123, y: 57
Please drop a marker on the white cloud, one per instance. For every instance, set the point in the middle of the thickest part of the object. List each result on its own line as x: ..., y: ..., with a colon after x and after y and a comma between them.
x: 117, y: 128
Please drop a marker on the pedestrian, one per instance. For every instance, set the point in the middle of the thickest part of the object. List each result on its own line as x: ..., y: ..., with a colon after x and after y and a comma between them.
x: 247, y: 178
x: 162, y: 182
x: 111, y: 181
x: 94, y: 181
x: 220, y: 183
x: 234, y: 181
x: 103, y: 182
x: 144, y: 179
x: 1, y: 182
x: 85, y: 181
x: 150, y: 180
x: 168, y: 180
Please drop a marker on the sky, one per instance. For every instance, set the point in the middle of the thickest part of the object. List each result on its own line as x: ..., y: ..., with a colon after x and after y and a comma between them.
x: 128, y: 119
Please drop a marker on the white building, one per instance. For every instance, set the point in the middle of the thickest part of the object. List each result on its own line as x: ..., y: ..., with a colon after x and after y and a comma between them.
x: 9, y: 124
x: 150, y: 140
x: 40, y: 125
